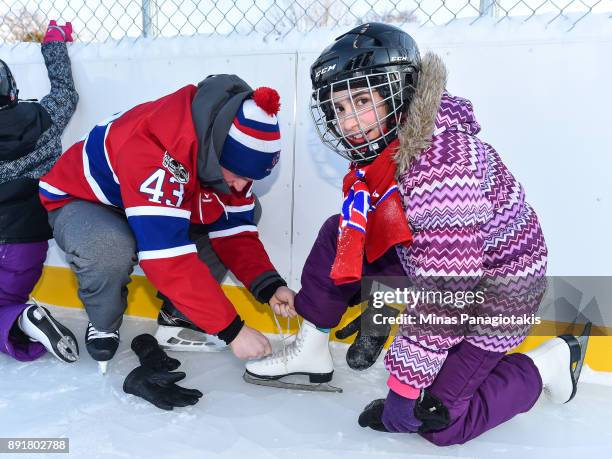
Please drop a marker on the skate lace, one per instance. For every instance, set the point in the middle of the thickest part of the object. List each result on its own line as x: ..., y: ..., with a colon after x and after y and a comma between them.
x: 92, y: 333
x: 284, y: 353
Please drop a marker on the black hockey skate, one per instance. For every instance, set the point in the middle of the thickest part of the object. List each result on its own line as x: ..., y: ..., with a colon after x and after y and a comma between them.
x: 370, y: 339
x: 102, y: 346
x: 175, y: 332
x: 39, y: 325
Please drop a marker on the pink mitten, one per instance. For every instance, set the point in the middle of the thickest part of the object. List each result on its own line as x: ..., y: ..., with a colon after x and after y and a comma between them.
x: 58, y: 33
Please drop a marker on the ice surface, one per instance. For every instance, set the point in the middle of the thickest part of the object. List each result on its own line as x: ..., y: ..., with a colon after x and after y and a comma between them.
x: 46, y: 398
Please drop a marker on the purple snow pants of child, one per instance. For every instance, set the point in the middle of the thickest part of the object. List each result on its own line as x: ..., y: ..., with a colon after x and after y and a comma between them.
x: 20, y: 268
x: 480, y: 388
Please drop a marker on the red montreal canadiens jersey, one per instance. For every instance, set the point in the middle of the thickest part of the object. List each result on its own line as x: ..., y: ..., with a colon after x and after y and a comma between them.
x: 144, y: 162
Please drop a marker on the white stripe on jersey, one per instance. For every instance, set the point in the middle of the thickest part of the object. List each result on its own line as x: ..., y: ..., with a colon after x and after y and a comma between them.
x: 157, y: 210
x: 265, y: 146
x: 167, y: 253
x: 90, y: 180
x: 244, y: 208
x: 232, y: 231
x: 51, y: 188
x: 111, y: 118
x: 106, y: 154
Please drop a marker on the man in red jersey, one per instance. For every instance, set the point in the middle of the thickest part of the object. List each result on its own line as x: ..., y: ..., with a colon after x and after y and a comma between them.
x: 132, y: 190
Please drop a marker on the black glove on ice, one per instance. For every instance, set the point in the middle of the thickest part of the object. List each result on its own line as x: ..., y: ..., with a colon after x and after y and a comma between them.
x: 370, y: 339
x: 159, y: 388
x: 151, y: 355
x: 371, y: 416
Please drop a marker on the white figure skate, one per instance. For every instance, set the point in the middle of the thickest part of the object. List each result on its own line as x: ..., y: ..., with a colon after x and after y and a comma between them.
x: 307, y: 355
x: 559, y: 362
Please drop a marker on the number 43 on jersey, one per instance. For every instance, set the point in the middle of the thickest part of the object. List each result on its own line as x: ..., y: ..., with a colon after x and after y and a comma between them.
x: 171, y: 195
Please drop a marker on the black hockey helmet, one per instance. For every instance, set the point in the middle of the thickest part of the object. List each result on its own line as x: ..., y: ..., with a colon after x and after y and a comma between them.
x: 371, y: 57
x: 8, y: 87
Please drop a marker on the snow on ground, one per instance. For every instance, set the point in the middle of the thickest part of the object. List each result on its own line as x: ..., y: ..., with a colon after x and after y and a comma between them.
x: 46, y: 398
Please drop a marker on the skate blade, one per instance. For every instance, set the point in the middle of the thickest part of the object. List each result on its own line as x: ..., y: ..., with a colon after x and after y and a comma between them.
x: 583, y: 340
x: 186, y: 340
x: 103, y: 367
x: 54, y: 336
x: 578, y: 347
x: 321, y: 387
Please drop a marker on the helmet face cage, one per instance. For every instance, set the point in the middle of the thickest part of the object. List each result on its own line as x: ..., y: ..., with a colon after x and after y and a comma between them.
x: 329, y: 122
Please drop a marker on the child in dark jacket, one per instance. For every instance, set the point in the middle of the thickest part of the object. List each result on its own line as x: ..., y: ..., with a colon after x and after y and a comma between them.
x: 30, y: 143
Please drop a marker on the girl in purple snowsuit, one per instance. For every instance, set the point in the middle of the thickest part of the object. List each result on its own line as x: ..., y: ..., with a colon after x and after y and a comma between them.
x: 428, y: 201
x: 30, y: 143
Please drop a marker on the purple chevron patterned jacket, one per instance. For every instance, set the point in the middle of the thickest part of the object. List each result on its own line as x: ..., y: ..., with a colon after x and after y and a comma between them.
x: 469, y: 218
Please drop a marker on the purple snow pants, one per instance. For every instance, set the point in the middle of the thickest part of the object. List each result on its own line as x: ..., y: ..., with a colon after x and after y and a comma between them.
x: 20, y: 268
x: 480, y: 388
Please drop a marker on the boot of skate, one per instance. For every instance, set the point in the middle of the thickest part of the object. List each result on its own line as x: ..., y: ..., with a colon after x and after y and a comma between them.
x: 559, y: 362
x: 175, y: 332
x: 308, y: 355
x: 102, y: 346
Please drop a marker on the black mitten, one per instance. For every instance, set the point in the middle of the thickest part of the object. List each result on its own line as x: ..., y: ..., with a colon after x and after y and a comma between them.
x: 371, y: 416
x: 159, y: 388
x: 432, y: 413
x: 151, y: 355
x: 371, y: 337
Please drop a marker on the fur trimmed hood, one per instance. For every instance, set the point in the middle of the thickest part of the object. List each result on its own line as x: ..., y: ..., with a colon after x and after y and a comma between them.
x: 432, y: 112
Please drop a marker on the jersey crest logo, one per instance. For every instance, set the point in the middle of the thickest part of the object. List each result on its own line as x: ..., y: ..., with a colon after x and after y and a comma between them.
x: 175, y: 168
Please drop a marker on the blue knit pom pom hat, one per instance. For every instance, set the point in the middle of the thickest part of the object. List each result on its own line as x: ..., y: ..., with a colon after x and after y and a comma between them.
x: 252, y: 145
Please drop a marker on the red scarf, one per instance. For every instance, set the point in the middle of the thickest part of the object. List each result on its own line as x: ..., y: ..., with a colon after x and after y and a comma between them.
x: 372, y: 218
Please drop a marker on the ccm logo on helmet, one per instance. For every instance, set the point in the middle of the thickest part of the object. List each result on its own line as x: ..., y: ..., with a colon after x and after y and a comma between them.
x: 399, y: 58
x: 324, y: 70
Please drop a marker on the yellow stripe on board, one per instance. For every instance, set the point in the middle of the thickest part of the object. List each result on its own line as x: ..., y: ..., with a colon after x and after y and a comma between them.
x: 59, y: 286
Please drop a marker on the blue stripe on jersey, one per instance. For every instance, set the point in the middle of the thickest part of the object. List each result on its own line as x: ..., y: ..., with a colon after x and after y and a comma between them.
x: 53, y: 196
x: 157, y: 232
x: 98, y: 166
x: 233, y: 220
x: 255, y: 124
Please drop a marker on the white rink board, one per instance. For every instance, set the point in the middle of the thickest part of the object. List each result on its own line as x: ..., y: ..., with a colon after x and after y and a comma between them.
x: 542, y: 98
x: 111, y: 84
x: 544, y: 105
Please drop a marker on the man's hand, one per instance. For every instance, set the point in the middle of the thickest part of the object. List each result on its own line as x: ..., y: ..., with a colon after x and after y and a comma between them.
x: 250, y: 344
x: 282, y: 302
